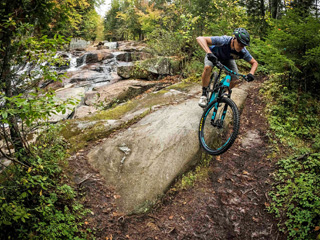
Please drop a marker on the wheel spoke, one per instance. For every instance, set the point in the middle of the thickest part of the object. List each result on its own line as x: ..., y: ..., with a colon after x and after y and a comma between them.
x: 217, y: 135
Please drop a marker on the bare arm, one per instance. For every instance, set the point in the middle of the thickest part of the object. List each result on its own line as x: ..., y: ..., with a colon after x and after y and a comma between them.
x: 204, y: 42
x: 254, y: 66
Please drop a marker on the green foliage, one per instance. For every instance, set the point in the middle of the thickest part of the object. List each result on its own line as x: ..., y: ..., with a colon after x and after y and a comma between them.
x: 297, y: 197
x: 89, y: 26
x: 296, y: 37
x: 293, y: 115
x: 271, y: 60
x: 194, y: 67
x: 167, y: 43
x: 34, y: 202
x: 294, y: 118
x: 35, y: 109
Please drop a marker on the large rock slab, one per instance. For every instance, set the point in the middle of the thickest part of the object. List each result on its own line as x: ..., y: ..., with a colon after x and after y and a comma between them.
x: 143, y: 161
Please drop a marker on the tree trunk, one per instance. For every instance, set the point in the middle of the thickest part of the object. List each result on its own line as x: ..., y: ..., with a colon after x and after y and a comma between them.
x: 274, y: 8
x: 6, y: 78
x: 262, y: 8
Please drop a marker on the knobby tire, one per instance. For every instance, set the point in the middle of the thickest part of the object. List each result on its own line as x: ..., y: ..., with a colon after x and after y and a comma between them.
x: 216, y: 140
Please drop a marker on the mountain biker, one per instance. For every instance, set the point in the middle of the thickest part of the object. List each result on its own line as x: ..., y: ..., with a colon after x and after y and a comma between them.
x: 225, y: 49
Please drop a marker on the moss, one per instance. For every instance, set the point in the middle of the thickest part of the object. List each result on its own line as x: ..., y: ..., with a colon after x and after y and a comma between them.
x: 182, y: 86
x: 195, y: 174
x: 143, y: 208
x: 114, y: 113
x: 97, y: 128
x: 80, y: 138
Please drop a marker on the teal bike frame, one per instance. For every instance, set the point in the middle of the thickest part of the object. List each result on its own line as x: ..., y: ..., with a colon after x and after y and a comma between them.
x: 219, y: 90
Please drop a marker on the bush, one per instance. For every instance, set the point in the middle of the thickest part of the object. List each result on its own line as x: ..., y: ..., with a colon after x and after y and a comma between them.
x: 166, y: 43
x: 297, y: 198
x: 294, y: 118
x: 34, y: 202
x: 295, y: 35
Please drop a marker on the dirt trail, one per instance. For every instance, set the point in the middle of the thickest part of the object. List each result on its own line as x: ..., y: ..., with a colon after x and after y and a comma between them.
x: 230, y: 204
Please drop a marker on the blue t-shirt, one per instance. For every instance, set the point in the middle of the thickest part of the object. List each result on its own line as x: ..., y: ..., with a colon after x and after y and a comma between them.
x: 221, y: 47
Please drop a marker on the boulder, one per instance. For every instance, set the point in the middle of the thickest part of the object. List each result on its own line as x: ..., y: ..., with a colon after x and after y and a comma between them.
x: 124, y: 57
x: 131, y: 46
x: 150, y: 69
x: 64, y: 94
x: 111, y: 45
x: 117, y: 92
x: 132, y: 71
x: 78, y: 44
x: 94, y: 56
x: 89, y: 76
x: 132, y: 56
x: 84, y: 111
x: 143, y: 161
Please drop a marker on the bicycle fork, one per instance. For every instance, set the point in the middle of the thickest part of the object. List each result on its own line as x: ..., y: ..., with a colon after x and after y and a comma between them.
x: 219, y: 122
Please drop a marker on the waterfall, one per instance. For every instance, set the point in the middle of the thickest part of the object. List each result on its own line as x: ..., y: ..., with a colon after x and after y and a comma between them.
x: 72, y: 63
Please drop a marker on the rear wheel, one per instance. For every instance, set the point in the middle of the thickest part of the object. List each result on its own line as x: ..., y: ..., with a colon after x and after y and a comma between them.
x: 217, y: 134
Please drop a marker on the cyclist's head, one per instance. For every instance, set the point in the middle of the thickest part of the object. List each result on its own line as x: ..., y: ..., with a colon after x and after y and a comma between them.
x: 242, y: 36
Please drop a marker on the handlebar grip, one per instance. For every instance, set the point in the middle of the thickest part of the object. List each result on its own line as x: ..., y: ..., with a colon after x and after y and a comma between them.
x: 219, y: 65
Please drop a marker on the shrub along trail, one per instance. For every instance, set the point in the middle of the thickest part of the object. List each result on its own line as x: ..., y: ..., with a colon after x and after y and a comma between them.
x: 227, y: 197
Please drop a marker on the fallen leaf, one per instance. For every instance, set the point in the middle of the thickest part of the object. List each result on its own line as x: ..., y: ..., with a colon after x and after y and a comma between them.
x: 152, y: 225
x: 267, y: 204
x: 245, y: 172
x: 171, y: 217
x: 116, y: 196
x: 86, y: 223
x: 255, y: 219
x: 115, y: 214
x: 317, y: 228
x: 109, y: 238
x: 218, y: 158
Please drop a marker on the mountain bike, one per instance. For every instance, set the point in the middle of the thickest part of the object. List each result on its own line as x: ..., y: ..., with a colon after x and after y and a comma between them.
x: 220, y: 121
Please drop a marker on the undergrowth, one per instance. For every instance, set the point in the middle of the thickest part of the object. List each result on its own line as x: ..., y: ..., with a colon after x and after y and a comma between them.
x: 294, y: 118
x: 36, y: 203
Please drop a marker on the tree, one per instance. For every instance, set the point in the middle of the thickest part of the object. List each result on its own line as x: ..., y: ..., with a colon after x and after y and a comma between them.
x: 21, y: 42
x: 295, y: 36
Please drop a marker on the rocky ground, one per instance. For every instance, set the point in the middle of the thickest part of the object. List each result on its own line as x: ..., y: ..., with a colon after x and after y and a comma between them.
x: 229, y: 202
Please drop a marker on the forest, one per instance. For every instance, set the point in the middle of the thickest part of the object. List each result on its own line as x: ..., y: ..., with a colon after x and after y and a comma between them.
x: 36, y: 199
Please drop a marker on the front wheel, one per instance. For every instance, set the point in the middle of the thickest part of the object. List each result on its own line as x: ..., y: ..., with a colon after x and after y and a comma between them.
x: 219, y: 126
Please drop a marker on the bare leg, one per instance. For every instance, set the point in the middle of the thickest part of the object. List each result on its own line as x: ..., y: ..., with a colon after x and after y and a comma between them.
x: 206, y: 76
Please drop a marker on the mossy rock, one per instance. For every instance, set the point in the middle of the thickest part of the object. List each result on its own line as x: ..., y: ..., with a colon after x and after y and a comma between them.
x: 151, y: 69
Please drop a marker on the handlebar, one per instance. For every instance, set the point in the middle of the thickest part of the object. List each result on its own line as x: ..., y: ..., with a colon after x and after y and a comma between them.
x: 221, y: 66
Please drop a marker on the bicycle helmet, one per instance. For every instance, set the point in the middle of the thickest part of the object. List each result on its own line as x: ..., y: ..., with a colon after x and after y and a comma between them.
x: 242, y: 35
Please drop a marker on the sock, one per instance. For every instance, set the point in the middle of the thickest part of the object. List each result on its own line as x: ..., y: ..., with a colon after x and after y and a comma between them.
x: 204, y: 91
